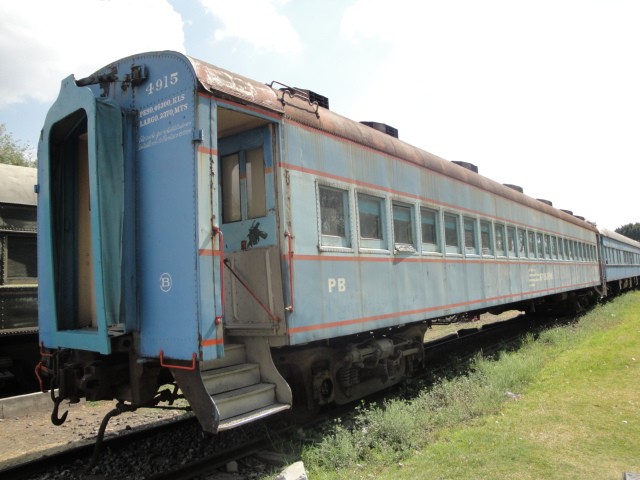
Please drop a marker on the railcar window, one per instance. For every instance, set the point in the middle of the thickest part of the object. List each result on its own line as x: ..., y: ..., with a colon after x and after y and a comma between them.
x: 511, y: 241
x: 559, y: 247
x: 334, y: 219
x: 470, y: 234
x: 243, y: 185
x: 231, y: 207
x: 256, y: 194
x: 500, y: 243
x: 485, y: 237
x: 547, y: 246
x: 522, y: 243
x: 532, y: 244
x: 430, y: 230
x: 371, y: 218
x: 554, y: 247
x: 403, y: 227
x: 539, y: 245
x: 20, y: 267
x: 451, y: 236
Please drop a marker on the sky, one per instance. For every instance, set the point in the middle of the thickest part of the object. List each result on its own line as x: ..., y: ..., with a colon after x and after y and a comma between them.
x: 544, y: 94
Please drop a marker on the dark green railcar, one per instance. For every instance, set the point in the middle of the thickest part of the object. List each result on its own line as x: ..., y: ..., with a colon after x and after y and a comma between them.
x: 18, y: 279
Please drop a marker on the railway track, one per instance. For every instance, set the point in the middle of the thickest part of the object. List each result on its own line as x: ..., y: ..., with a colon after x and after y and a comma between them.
x: 179, y: 449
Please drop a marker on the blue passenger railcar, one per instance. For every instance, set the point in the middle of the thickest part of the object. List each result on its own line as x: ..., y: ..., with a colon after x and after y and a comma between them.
x: 198, y: 222
x: 620, y: 261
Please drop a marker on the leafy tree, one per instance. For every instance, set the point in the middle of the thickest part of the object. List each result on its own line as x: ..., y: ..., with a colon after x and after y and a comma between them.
x: 13, y: 152
x: 631, y: 230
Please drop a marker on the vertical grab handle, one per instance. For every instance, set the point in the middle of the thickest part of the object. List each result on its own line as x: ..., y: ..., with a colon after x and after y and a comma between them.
x: 290, y: 258
x: 217, y: 231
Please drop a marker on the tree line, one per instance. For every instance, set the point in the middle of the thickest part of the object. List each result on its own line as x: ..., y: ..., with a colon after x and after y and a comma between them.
x: 14, y: 152
x: 630, y: 230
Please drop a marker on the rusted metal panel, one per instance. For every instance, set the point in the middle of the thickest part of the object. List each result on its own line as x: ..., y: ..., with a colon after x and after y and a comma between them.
x: 225, y: 83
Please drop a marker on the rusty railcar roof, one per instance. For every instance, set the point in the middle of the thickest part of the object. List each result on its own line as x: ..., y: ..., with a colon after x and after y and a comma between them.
x: 226, y: 84
x: 17, y: 184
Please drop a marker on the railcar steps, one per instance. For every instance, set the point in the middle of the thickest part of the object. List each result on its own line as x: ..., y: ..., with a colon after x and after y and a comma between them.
x: 239, y: 391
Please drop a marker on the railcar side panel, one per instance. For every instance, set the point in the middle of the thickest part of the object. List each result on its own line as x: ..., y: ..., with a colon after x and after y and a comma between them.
x: 359, y: 284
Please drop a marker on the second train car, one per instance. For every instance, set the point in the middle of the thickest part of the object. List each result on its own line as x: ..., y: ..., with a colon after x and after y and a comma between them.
x: 241, y: 239
x: 18, y: 280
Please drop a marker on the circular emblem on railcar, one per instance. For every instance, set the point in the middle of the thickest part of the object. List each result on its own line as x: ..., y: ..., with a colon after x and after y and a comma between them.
x: 165, y: 282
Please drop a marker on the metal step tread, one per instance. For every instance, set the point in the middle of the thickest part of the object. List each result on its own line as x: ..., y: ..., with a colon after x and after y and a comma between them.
x: 243, y: 392
x: 251, y: 416
x: 230, y: 370
x: 230, y: 378
x: 234, y: 354
x: 243, y: 400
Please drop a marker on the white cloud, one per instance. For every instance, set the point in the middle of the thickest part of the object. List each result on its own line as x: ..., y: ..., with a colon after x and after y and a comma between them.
x: 257, y: 22
x: 43, y: 41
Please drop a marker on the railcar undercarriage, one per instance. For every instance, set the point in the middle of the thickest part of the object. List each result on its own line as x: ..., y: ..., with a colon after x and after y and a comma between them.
x: 344, y: 370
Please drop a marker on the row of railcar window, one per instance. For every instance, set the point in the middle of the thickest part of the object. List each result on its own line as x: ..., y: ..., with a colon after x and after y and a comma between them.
x: 615, y: 256
x: 440, y: 231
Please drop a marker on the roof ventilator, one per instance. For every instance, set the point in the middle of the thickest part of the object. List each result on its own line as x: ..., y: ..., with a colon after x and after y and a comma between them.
x: 467, y: 165
x: 314, y: 99
x: 382, y: 127
x: 514, y: 187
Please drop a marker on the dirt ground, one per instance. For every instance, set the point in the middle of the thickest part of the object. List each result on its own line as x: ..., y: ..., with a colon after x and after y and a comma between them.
x: 33, y: 435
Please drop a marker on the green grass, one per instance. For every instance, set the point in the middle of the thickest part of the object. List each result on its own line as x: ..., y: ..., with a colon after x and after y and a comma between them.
x: 577, y: 414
